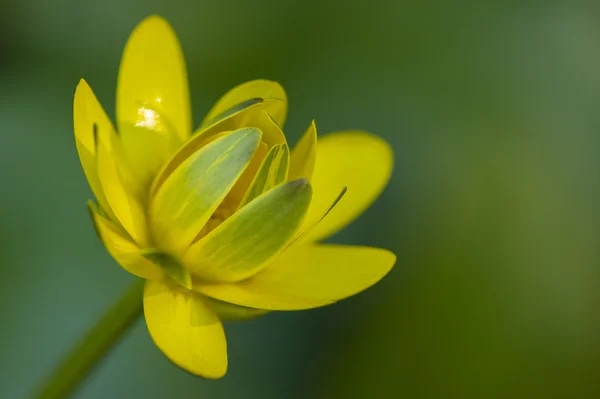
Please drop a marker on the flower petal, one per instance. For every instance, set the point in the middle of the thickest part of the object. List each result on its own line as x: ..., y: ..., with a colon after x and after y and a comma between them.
x: 304, y: 155
x: 170, y: 266
x: 237, y: 193
x: 254, y: 89
x: 152, y: 90
x: 186, y: 329
x: 357, y: 160
x: 90, y: 120
x: 272, y: 133
x: 252, y: 113
x: 127, y: 209
x: 300, y: 234
x: 121, y: 247
x: 242, y: 245
x: 307, y: 276
x: 230, y: 312
x: 272, y: 172
x: 192, y: 193
x: 142, y: 152
x: 230, y: 120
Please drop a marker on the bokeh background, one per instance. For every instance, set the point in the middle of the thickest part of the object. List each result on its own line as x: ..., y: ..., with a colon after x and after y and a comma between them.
x: 493, y: 111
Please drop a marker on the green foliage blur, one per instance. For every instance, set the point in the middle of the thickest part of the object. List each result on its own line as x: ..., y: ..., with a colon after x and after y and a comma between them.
x: 493, y: 112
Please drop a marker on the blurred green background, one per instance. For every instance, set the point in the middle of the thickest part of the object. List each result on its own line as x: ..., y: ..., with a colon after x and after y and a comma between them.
x: 493, y: 111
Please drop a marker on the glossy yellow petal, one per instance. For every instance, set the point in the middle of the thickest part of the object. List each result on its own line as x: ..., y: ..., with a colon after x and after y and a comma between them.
x: 272, y: 172
x: 256, y: 296
x: 357, y: 160
x: 127, y: 209
x: 143, y: 152
x: 192, y: 193
x: 122, y: 248
x: 272, y: 133
x: 233, y: 119
x: 152, y: 89
x: 250, y: 90
x: 230, y: 312
x: 186, y: 329
x: 90, y: 120
x: 252, y: 113
x: 304, y: 155
x: 307, y: 276
x: 302, y: 233
x: 237, y: 193
x: 242, y: 245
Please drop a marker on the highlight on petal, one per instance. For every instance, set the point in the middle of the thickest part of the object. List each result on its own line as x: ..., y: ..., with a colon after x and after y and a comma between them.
x: 90, y: 121
x: 357, y: 160
x: 304, y: 155
x: 186, y: 329
x: 127, y: 209
x: 233, y: 119
x: 307, y: 276
x: 152, y: 90
x: 242, y: 245
x: 272, y: 172
x: 121, y: 247
x: 254, y: 89
x: 192, y: 193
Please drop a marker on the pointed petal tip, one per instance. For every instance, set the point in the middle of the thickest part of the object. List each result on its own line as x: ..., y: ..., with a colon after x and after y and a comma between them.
x: 92, y: 211
x: 302, y: 182
x: 91, y: 206
x: 81, y: 90
x: 154, y: 19
x: 81, y: 84
x: 302, y: 185
x: 251, y: 131
x: 83, y: 93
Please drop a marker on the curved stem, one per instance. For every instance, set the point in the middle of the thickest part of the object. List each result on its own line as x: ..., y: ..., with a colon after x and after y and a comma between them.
x: 88, y: 352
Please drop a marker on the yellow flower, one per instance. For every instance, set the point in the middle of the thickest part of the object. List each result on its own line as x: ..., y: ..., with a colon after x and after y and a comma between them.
x: 223, y: 222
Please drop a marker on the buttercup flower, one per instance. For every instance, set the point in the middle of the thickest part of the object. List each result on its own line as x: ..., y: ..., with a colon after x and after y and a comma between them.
x: 223, y: 222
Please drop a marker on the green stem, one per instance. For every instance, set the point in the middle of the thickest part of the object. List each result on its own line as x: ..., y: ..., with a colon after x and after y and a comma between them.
x: 88, y: 352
